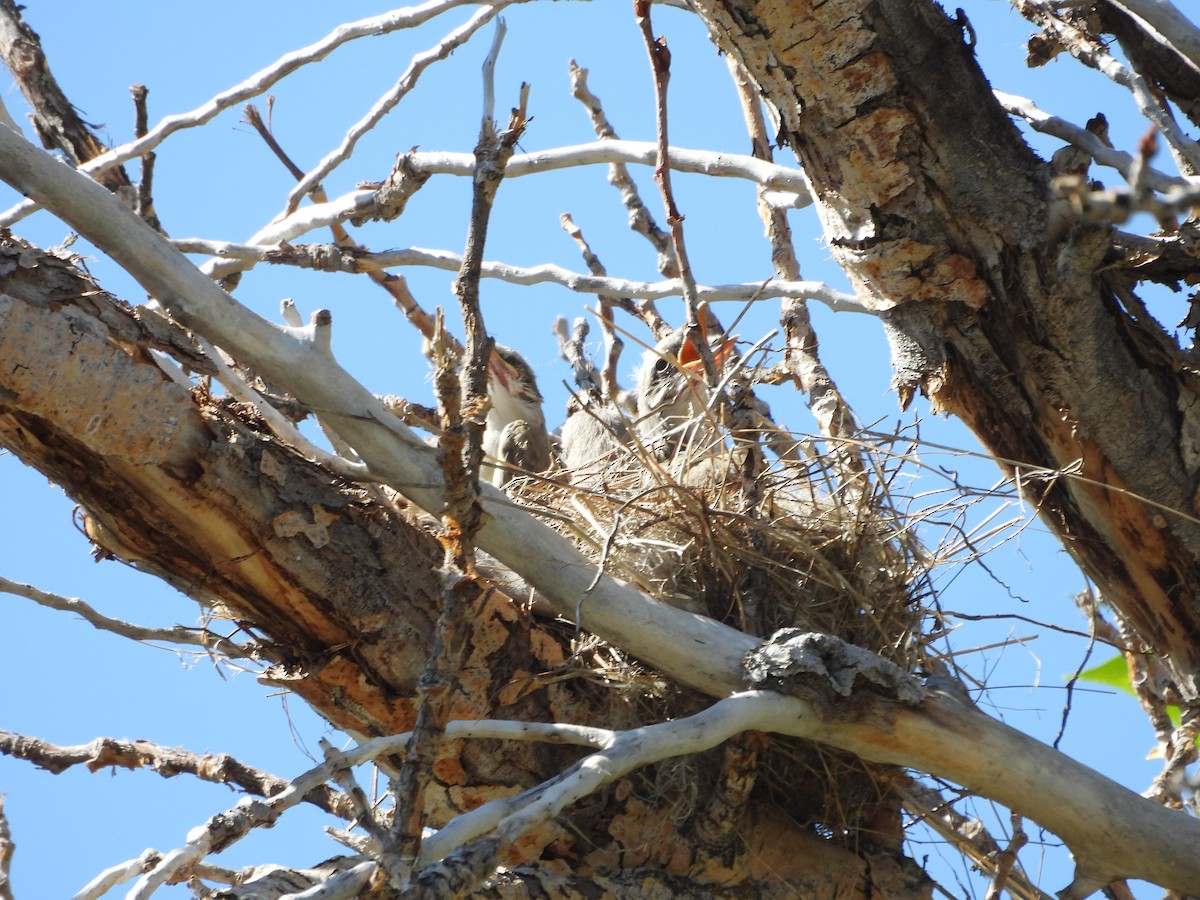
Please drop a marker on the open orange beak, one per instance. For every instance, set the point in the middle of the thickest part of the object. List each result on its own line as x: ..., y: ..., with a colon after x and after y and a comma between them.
x: 692, y: 363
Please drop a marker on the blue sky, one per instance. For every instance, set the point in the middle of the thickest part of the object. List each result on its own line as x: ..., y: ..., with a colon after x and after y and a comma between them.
x: 67, y: 683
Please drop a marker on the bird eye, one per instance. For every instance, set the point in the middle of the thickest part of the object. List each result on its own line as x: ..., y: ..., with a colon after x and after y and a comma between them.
x: 661, y: 365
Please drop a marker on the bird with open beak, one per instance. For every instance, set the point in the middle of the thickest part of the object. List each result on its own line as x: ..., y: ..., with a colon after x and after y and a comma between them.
x: 515, y: 439
x: 674, y: 421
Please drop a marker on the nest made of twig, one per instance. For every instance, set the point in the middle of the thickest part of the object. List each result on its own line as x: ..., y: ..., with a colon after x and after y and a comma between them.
x: 788, y: 546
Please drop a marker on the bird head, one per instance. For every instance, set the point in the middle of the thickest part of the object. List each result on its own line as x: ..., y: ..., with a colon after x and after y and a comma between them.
x: 513, y: 389
x: 515, y: 436
x: 671, y: 382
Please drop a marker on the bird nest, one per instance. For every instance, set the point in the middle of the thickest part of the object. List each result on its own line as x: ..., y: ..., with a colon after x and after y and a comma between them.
x: 759, y: 548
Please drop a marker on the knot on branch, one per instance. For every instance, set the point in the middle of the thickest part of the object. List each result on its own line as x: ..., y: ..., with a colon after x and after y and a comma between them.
x: 791, y: 659
x: 319, y: 257
x: 392, y: 196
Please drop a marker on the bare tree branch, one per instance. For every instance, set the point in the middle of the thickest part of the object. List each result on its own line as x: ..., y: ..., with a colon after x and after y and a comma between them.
x: 388, y: 101
x: 221, y: 768
x: 258, y: 83
x: 189, y: 637
x: 55, y: 120
x: 119, y: 874
x: 1085, y: 140
x: 362, y: 205
x: 1167, y: 25
x: 329, y: 258
x: 640, y: 219
x: 1089, y: 50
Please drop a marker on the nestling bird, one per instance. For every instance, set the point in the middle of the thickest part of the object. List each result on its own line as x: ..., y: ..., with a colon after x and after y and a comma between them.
x: 515, y: 437
x: 594, y: 437
x: 672, y: 399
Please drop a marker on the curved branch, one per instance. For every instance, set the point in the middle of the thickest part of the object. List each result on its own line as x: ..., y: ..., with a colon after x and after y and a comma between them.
x: 419, y: 166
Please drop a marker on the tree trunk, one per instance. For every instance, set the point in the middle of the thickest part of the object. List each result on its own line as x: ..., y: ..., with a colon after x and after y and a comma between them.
x: 940, y: 216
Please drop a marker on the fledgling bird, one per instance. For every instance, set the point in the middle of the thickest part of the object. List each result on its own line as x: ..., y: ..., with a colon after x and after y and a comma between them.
x: 594, y: 438
x: 515, y: 437
x: 672, y: 400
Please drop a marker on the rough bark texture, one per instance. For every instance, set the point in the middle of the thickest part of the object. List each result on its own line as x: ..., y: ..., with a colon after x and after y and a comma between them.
x: 938, y: 211
x: 342, y: 584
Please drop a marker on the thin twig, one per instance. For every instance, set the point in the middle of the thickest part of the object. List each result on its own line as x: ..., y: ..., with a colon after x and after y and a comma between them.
x: 640, y: 218
x: 968, y: 836
x: 385, y: 104
x: 464, y: 411
x: 613, y: 343
x: 802, y: 357
x: 144, y: 203
x: 1087, y: 601
x: 660, y: 68
x: 364, y: 814
x: 395, y: 285
x: 190, y: 637
x: 363, y: 205
x: 258, y: 83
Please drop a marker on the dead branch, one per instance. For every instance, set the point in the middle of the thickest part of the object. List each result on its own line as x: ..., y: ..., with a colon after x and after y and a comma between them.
x: 258, y: 83
x: 221, y: 768
x: 968, y: 836
x: 325, y: 257
x: 395, y: 285
x: 1167, y: 26
x: 660, y: 69
x: 144, y: 201
x: 366, y: 204
x: 55, y: 120
x: 385, y: 104
x: 802, y: 357
x: 640, y: 218
x: 1006, y: 860
x: 464, y: 409
x: 1085, y: 140
x: 1067, y: 31
x: 364, y: 812
x: 201, y: 638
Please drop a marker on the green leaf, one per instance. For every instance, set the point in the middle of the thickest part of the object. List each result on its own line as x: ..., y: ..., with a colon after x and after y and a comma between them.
x: 1113, y: 673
